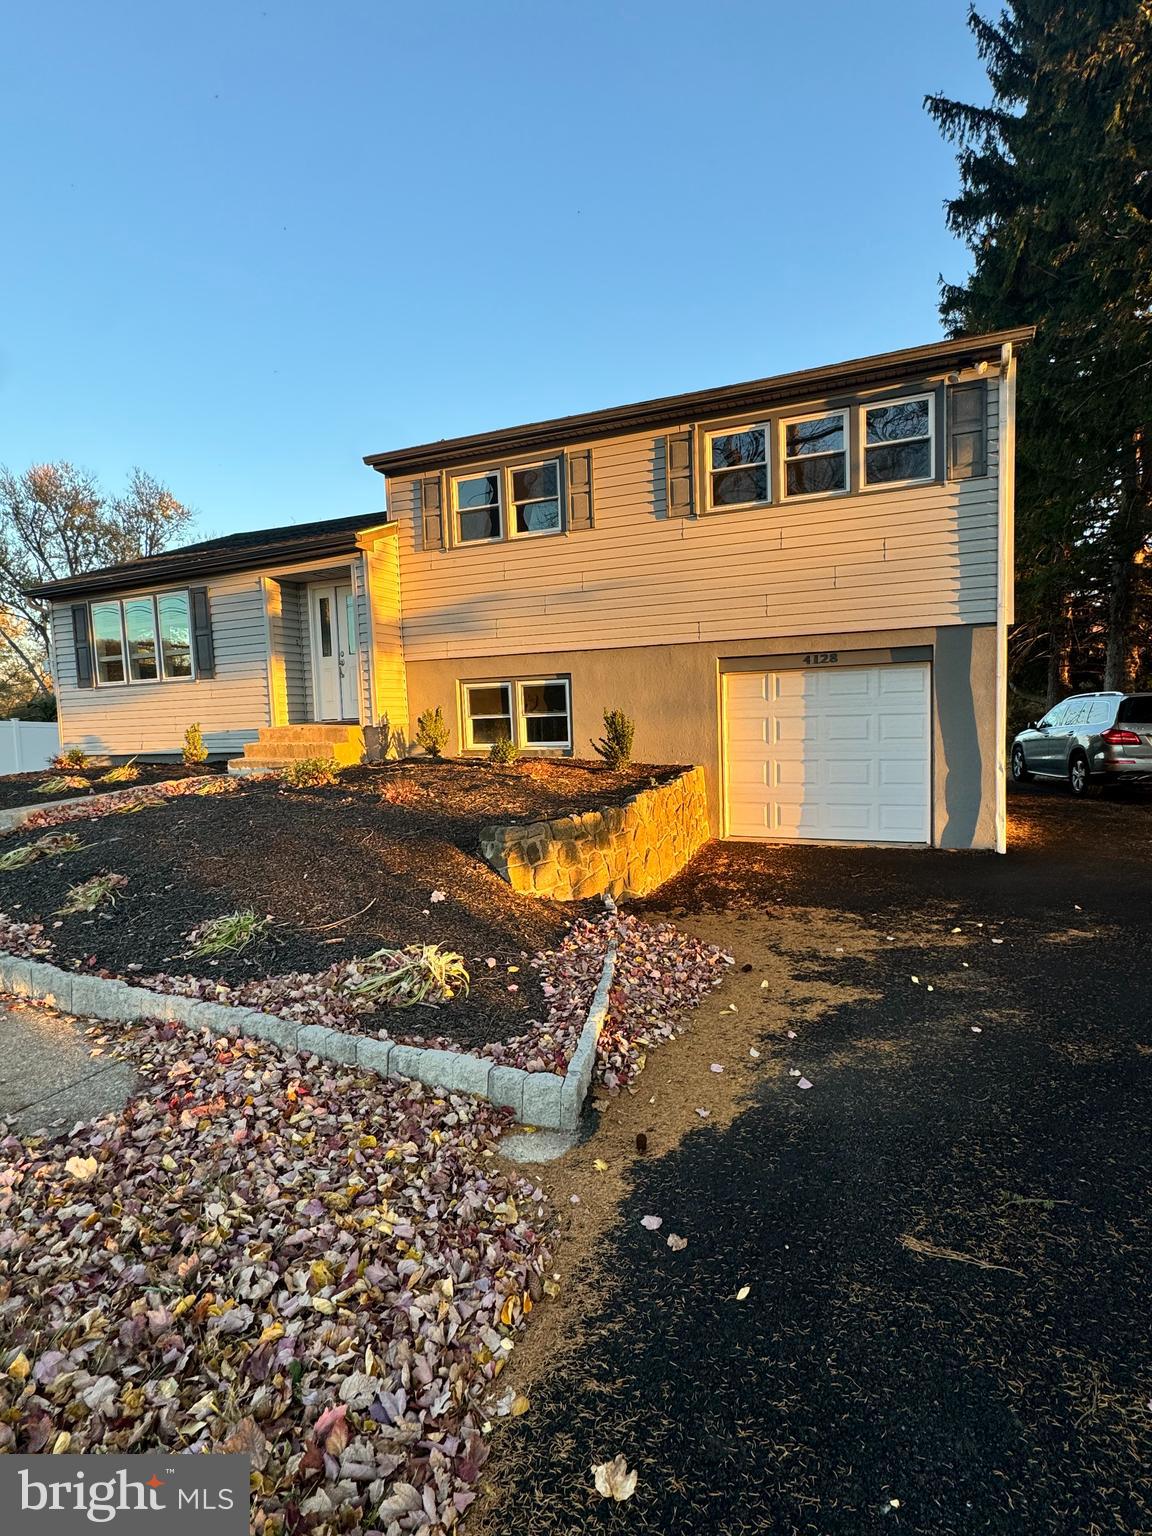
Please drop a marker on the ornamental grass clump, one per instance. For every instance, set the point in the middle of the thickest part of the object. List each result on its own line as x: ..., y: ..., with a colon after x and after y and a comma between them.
x: 89, y: 895
x: 50, y: 846
x: 401, y: 978
x: 73, y: 757
x: 311, y: 773
x: 227, y: 935
x: 615, y: 746
x: 125, y: 773
x: 61, y: 784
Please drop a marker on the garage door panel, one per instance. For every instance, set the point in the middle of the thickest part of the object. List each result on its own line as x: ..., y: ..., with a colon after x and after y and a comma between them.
x: 836, y: 754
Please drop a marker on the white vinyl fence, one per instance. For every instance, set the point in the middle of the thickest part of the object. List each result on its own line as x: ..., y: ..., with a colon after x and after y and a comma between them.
x: 27, y: 745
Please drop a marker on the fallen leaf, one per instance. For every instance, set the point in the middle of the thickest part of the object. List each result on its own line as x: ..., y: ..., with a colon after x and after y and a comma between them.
x: 803, y: 1083
x: 676, y: 1242
x: 613, y: 1479
x: 82, y: 1168
x: 652, y: 1222
x: 600, y: 1165
x: 742, y: 1293
x: 438, y: 896
x: 716, y: 1067
x: 754, y: 1053
x: 703, y: 1113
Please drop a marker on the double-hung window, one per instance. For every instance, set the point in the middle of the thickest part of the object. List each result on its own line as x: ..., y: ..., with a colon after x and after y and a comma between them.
x: 545, y: 713
x: 477, y: 507
x: 487, y: 713
x: 143, y: 639
x: 816, y: 454
x: 536, y: 498
x: 738, y: 467
x: 531, y: 492
x: 898, y: 441
x: 533, y: 713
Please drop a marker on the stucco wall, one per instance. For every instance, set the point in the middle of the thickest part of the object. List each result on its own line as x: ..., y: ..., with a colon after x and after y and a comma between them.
x: 626, y: 850
x: 673, y: 694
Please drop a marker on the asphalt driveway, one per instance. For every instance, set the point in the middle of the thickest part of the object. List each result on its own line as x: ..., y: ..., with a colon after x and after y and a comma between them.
x: 945, y: 1239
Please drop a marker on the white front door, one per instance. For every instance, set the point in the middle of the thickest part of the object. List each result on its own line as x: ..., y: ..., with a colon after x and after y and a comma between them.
x: 335, y: 652
x: 830, y: 753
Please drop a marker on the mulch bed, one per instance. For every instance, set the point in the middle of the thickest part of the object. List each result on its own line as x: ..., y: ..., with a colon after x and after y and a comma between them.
x: 21, y: 788
x: 342, y: 871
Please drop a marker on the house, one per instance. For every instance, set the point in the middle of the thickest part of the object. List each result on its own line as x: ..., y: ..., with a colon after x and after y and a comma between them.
x: 802, y: 583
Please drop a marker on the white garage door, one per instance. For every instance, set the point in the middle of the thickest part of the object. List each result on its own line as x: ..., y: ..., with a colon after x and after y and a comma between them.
x: 833, y: 753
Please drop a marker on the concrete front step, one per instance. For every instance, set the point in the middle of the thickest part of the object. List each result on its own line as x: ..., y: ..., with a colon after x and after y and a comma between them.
x: 278, y: 734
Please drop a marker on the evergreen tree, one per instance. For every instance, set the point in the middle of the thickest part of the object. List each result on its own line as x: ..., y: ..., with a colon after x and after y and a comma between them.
x: 1055, y: 204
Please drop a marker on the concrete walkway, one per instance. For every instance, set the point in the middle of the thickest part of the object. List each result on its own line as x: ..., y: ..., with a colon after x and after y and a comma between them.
x: 49, y: 1079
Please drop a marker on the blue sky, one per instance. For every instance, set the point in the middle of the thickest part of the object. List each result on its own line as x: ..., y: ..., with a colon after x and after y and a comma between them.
x: 248, y: 242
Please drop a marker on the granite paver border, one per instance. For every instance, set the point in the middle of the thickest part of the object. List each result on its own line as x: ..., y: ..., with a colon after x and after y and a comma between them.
x: 544, y: 1099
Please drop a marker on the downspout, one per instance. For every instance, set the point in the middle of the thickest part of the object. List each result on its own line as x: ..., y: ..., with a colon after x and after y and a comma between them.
x: 1005, y: 582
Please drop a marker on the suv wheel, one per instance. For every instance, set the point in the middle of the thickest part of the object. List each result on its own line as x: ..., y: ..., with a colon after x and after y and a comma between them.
x: 1020, y: 772
x: 1079, y: 781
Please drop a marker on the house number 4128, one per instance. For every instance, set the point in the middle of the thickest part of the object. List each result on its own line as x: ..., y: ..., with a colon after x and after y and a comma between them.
x: 821, y: 658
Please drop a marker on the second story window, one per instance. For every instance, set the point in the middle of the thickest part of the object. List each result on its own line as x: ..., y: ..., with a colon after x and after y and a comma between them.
x: 898, y: 441
x: 478, y: 512
x: 815, y: 454
x: 536, y: 497
x: 738, y: 467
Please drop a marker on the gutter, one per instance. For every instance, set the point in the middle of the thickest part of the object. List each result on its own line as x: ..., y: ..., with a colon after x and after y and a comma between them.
x: 1005, y: 577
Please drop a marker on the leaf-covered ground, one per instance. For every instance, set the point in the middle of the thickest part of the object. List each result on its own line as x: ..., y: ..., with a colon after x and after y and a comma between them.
x: 269, y: 1254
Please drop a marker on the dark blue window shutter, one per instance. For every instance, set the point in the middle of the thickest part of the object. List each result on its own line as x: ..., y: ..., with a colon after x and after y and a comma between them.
x: 202, y: 648
x: 82, y: 644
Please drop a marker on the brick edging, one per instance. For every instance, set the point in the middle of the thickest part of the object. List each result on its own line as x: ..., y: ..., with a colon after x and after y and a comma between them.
x: 543, y: 1099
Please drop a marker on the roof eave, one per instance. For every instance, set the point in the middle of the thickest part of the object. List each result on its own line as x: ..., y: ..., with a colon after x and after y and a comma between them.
x: 134, y: 575
x: 670, y: 410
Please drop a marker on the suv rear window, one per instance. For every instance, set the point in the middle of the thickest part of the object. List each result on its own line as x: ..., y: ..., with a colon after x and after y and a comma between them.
x: 1139, y: 707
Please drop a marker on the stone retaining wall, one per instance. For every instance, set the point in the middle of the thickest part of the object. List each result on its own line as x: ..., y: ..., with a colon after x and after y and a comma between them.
x: 624, y: 850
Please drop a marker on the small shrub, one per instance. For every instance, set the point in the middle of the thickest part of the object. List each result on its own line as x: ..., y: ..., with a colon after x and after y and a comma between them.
x: 501, y: 754
x: 125, y: 773
x: 195, y: 752
x: 311, y: 773
x: 227, y: 935
x: 98, y: 891
x: 615, y: 746
x: 72, y: 757
x: 61, y: 784
x: 419, y: 973
x: 432, y: 732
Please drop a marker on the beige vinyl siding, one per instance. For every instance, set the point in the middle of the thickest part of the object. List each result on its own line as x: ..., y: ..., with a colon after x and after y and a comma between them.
x: 917, y: 555
x: 152, y: 717
x: 390, y: 692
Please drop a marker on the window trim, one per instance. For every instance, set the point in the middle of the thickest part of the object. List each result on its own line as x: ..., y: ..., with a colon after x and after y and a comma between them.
x: 710, y: 471
x: 516, y: 713
x: 479, y: 473
x: 930, y: 438
x: 540, y: 533
x: 522, y: 715
x: 162, y: 675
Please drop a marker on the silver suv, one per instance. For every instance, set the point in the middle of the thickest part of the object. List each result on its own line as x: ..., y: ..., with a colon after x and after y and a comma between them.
x: 1089, y: 739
